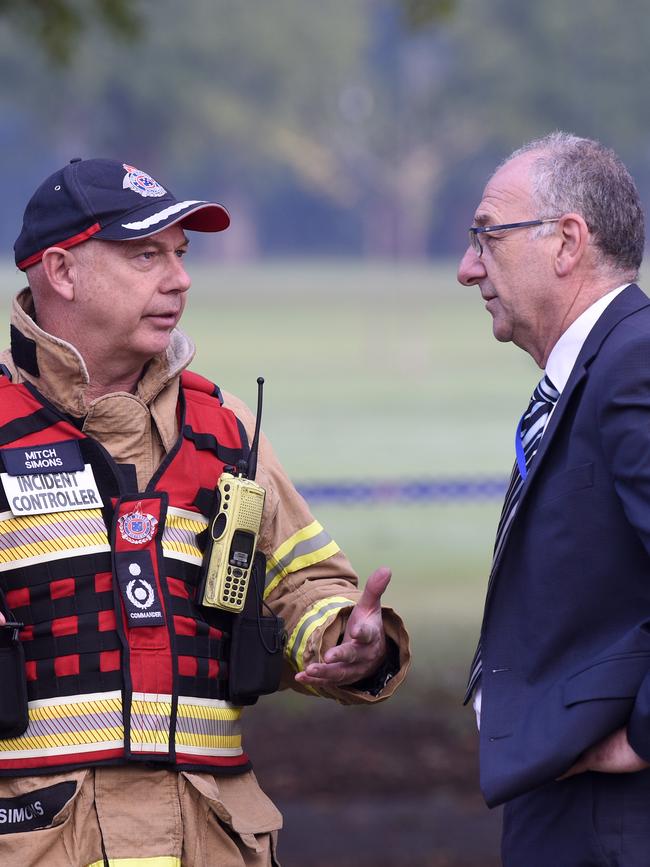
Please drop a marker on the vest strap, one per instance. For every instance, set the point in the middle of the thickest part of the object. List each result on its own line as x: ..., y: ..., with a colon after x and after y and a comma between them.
x: 208, y: 441
x: 23, y: 350
x: 22, y: 427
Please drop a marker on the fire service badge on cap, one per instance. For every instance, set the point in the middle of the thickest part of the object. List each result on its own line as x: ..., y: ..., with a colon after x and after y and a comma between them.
x: 142, y: 183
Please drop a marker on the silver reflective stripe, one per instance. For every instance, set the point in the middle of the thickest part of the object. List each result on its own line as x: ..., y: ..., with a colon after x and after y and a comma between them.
x: 308, y: 546
x: 319, y: 614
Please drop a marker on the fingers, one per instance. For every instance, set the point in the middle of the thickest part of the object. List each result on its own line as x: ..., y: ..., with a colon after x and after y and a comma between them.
x: 348, y: 652
x: 328, y: 674
x: 320, y: 675
x: 363, y: 647
x: 365, y: 622
x: 375, y: 587
x: 346, y: 663
x: 612, y: 755
x: 362, y: 632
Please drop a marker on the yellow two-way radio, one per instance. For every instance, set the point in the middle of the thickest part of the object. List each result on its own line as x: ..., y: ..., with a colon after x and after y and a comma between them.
x: 234, y: 530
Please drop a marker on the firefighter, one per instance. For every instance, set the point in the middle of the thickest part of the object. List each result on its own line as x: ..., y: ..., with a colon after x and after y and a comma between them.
x: 120, y: 738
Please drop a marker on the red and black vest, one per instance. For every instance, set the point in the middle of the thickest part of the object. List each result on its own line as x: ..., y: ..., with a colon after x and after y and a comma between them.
x: 122, y: 663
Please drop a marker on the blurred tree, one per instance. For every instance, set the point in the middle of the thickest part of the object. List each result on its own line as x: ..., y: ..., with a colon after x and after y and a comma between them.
x: 394, y: 149
x: 349, y: 126
x: 57, y: 25
x: 265, y: 96
x: 544, y: 65
x: 524, y: 69
x: 241, y: 95
x: 422, y: 12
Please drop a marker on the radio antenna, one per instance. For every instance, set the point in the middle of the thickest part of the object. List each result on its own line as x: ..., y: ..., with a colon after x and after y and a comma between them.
x: 252, y: 457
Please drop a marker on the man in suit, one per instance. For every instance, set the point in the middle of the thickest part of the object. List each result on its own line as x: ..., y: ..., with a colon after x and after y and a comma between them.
x: 561, y: 678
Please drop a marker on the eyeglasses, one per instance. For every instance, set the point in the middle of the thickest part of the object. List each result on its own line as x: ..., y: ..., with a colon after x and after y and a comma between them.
x: 475, y: 231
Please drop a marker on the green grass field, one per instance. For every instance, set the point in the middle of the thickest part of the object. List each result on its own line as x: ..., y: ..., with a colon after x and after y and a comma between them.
x: 376, y: 371
x: 379, y: 371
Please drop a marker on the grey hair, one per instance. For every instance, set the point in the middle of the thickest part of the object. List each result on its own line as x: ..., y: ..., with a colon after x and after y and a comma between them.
x: 583, y: 176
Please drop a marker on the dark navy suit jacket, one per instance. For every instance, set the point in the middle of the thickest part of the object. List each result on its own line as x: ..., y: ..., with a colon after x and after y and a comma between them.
x: 566, y: 629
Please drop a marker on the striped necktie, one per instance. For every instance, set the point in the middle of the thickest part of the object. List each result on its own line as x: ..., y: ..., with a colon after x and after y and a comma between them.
x: 527, y: 439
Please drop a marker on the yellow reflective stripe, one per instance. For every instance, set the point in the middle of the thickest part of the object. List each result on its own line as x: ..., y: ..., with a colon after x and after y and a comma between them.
x: 31, y: 539
x: 149, y: 736
x: 161, y: 706
x: 209, y: 713
x: 68, y: 708
x: 42, y: 547
x: 180, y: 532
x: 150, y: 722
x: 156, y: 861
x: 9, y: 521
x: 76, y: 721
x: 61, y: 739
x: 307, y: 532
x: 306, y: 547
x: 54, y: 555
x: 316, y: 616
x: 93, y: 723
x: 193, y: 521
x: 202, y: 729
x: 314, y: 557
x: 228, y: 742
x: 190, y: 552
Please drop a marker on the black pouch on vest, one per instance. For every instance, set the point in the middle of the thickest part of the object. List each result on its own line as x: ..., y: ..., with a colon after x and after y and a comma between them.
x: 257, y: 644
x: 13, y: 695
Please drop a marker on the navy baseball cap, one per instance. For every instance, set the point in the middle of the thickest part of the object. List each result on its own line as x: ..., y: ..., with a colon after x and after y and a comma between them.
x: 105, y: 199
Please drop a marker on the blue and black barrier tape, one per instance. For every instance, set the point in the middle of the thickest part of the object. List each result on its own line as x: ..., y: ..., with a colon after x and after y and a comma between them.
x: 415, y: 491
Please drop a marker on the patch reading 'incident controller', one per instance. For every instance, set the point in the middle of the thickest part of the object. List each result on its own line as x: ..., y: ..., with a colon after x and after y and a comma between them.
x: 47, y: 493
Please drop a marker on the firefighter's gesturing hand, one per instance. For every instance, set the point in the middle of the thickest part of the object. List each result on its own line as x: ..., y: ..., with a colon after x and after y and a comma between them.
x: 363, y: 648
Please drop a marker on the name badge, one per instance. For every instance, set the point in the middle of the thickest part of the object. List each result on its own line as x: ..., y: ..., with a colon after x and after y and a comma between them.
x: 62, y: 457
x: 35, y: 809
x: 48, y: 479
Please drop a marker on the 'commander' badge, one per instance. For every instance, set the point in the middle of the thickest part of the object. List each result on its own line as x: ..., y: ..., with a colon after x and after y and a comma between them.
x: 137, y: 527
x: 141, y: 183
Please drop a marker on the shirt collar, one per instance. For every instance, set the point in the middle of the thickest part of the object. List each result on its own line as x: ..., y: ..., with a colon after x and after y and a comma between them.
x: 565, y: 352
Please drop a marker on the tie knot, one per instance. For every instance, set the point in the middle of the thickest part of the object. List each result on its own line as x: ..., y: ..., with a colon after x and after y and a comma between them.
x: 541, y: 403
x: 545, y: 392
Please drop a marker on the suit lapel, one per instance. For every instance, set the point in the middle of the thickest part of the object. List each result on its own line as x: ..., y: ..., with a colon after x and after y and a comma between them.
x: 628, y: 302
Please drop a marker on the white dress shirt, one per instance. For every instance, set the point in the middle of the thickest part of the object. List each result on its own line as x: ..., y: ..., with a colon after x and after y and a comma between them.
x: 558, y: 369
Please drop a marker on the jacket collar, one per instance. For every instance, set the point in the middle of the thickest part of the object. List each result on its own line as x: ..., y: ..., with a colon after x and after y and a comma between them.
x: 57, y: 369
x: 630, y: 301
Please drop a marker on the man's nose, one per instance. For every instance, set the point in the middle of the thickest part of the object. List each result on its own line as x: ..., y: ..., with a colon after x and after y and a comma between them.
x: 471, y: 268
x: 177, y: 278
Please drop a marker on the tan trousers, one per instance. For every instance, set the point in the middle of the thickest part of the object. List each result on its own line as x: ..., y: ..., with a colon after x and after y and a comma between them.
x: 135, y: 816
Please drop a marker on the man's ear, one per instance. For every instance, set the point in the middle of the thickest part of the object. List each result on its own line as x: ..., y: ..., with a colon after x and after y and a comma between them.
x: 574, y: 238
x: 59, y: 266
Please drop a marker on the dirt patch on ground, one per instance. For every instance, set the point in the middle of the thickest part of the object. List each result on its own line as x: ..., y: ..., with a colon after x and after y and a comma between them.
x: 382, y: 786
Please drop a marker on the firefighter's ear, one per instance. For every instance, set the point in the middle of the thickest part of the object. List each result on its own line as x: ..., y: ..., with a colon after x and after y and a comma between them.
x: 60, y: 269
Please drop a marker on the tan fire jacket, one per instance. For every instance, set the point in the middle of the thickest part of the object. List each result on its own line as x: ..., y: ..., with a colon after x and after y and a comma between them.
x: 310, y: 583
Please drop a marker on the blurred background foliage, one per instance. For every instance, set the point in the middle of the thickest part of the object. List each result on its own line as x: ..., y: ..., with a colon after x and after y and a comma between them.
x: 353, y: 138
x: 352, y: 127
x: 350, y: 139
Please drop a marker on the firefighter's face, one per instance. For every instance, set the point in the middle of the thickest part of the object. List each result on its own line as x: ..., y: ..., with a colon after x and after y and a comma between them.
x: 129, y: 295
